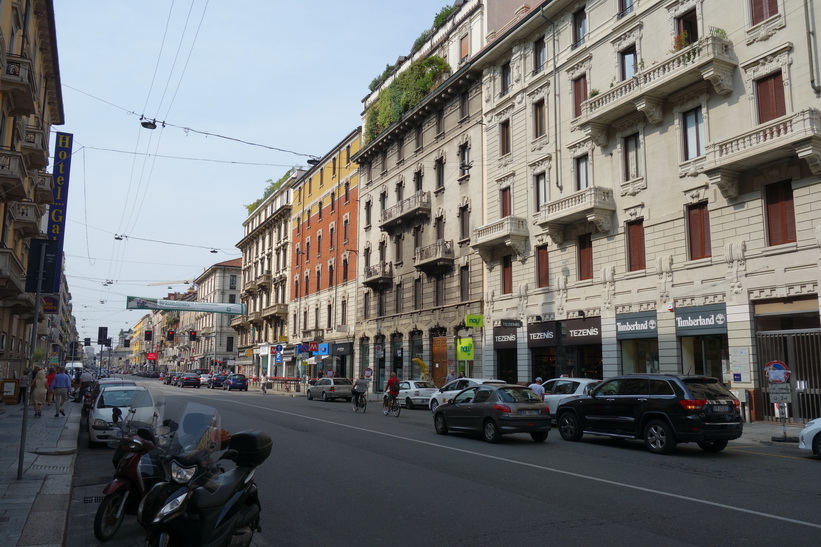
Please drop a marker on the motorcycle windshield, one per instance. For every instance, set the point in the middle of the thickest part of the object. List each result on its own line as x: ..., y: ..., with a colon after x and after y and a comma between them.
x: 195, y: 432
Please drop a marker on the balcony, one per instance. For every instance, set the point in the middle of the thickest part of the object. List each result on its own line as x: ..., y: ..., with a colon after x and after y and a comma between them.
x: 264, y: 280
x: 435, y: 258
x: 315, y: 335
x: 407, y: 209
x: 239, y: 321
x: 378, y: 275
x: 18, y: 82
x: 12, y: 275
x: 255, y: 317
x: 795, y: 134
x: 709, y: 59
x: 25, y: 218
x: 275, y: 310
x: 250, y: 286
x: 508, y: 231
x: 595, y: 204
x: 12, y: 175
x: 35, y: 148
x: 21, y: 305
x: 43, y: 188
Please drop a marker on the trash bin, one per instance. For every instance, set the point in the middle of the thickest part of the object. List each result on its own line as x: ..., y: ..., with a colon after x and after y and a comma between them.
x: 296, y: 384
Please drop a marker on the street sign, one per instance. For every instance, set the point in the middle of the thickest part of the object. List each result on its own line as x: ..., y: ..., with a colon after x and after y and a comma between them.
x: 368, y: 372
x: 279, y: 348
x: 780, y: 398
x: 779, y: 388
x: 777, y: 372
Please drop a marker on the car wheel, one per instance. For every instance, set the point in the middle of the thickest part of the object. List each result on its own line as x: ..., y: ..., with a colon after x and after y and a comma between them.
x: 440, y: 424
x: 433, y: 404
x: 491, y: 432
x: 569, y: 427
x: 246, y: 389
x: 409, y: 403
x: 348, y: 399
x: 658, y: 437
x: 712, y: 446
x: 324, y: 395
x: 198, y: 387
x: 539, y: 437
x: 816, y: 445
x: 310, y: 395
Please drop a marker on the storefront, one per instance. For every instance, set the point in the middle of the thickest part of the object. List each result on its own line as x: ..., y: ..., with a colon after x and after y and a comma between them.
x: 582, y: 348
x: 343, y: 355
x: 637, y: 336
x: 702, y: 335
x: 542, y: 340
x: 504, y: 347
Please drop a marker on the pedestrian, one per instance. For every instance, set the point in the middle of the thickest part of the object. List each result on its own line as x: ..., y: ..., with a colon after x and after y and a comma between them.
x: 451, y: 376
x: 537, y: 387
x: 50, y: 378
x: 39, y: 390
x: 61, y: 386
x: 262, y: 384
x: 461, y: 375
x: 25, y: 383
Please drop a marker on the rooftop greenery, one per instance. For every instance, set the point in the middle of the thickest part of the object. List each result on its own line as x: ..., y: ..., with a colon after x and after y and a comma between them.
x: 272, y: 186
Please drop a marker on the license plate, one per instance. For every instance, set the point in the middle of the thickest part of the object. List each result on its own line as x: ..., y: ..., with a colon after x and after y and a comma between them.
x: 721, y: 408
x: 529, y: 412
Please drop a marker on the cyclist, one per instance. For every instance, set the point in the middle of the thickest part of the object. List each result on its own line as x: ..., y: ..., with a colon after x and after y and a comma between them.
x: 392, y: 389
x: 360, y: 388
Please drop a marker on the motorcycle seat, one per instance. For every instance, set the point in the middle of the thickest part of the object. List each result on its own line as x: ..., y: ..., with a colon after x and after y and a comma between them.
x: 219, y: 489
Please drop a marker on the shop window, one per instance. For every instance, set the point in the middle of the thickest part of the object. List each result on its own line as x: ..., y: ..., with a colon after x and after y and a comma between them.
x: 780, y: 213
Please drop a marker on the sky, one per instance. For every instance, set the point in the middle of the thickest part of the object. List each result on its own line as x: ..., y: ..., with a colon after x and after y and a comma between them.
x: 247, y: 89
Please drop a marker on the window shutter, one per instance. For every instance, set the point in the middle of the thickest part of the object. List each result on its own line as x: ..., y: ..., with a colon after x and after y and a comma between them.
x: 635, y: 245
x: 505, y: 195
x: 770, y: 96
x: 585, y: 257
x: 579, y: 95
x: 507, y: 274
x: 542, y: 265
x: 780, y: 213
x: 698, y: 222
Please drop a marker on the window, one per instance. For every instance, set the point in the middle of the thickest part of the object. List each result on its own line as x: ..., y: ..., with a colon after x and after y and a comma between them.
x: 464, y: 283
x: 419, y: 130
x: 464, y: 222
x: 347, y: 192
x: 400, y: 150
x: 579, y: 27
x: 625, y: 7
x: 440, y: 121
x: 507, y: 274
x: 232, y: 299
x: 439, y: 290
x: 398, y: 249
x: 763, y: 9
x: 348, y: 154
x: 464, y: 160
x: 770, y: 97
x: 345, y: 269
x: 318, y: 245
x: 296, y: 288
x: 229, y: 344
x: 331, y: 238
x: 464, y: 110
x: 585, y: 244
x: 504, y: 138
x: 686, y: 30
x: 308, y: 251
x: 632, y: 165
x: 381, y: 303
x: 540, y: 189
x: 383, y: 201
x: 698, y: 227
x: 329, y: 317
x: 366, y: 305
x: 343, y: 312
x: 628, y: 63
x: 693, y: 133
x: 417, y: 181
x: 504, y: 202
x: 232, y: 282
x: 780, y: 213
x: 417, y: 237
x: 333, y: 201
x: 440, y: 228
x: 539, y: 55
x: 330, y: 275
x: 542, y: 271
x: 635, y: 245
x: 579, y: 94
x: 400, y: 192
x: 582, y: 172
x: 383, y: 160
x: 464, y: 47
x: 345, y: 225
x: 397, y: 297
x: 506, y: 81
x: 368, y: 207
x: 539, y: 118
x: 417, y: 293
x: 439, y: 169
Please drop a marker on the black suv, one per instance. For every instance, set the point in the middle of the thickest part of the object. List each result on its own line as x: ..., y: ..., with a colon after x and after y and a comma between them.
x: 662, y: 409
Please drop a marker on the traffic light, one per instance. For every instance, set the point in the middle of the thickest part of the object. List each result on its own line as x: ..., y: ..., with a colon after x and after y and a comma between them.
x: 192, y: 336
x: 102, y: 335
x: 86, y: 341
x: 169, y: 336
x: 149, y: 335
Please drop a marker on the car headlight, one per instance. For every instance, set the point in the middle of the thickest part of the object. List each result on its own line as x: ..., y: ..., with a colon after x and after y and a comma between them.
x: 100, y: 424
x: 171, y: 507
x: 182, y: 474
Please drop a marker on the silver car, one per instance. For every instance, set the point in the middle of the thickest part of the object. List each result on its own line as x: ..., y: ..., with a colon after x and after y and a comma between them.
x: 329, y: 389
x: 413, y: 393
x: 113, y: 406
x: 559, y: 389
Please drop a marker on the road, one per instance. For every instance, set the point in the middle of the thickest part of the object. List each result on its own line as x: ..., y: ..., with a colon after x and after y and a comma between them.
x: 339, y: 477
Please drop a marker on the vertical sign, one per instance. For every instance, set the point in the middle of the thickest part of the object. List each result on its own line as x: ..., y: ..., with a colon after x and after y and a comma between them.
x: 57, y: 210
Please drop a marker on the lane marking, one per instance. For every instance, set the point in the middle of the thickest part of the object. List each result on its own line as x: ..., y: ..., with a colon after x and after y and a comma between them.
x: 544, y: 468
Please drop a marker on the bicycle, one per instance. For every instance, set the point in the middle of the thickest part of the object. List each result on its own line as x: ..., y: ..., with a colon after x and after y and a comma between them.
x: 360, y: 402
x: 392, y: 407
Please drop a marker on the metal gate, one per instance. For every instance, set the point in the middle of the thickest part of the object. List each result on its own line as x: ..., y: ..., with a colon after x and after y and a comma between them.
x: 801, y: 351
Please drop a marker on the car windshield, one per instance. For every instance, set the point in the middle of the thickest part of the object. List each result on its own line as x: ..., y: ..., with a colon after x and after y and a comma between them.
x: 122, y: 398
x: 518, y: 395
x: 707, y: 389
x: 343, y: 382
x: 425, y: 385
x: 238, y: 377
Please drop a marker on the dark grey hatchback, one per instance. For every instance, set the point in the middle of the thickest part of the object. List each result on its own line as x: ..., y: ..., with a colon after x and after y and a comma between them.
x: 661, y: 409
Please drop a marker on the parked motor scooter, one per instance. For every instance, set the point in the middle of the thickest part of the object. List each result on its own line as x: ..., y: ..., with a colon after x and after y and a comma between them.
x: 138, y: 467
x: 203, y: 504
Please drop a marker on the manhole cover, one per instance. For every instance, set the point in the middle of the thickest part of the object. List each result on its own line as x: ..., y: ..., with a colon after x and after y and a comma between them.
x: 93, y: 499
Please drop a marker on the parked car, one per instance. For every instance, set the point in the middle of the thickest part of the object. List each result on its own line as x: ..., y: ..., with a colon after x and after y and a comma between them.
x: 329, y: 389
x: 205, y: 378
x: 235, y: 381
x: 413, y: 393
x: 810, y: 437
x: 188, y: 379
x: 216, y: 380
x: 494, y: 410
x: 559, y: 389
x: 170, y: 378
x: 661, y: 409
x: 118, y: 400
x: 92, y: 392
x: 449, y: 390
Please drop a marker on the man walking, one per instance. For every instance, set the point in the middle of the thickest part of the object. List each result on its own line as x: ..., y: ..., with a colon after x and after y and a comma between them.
x: 61, y: 385
x: 537, y: 387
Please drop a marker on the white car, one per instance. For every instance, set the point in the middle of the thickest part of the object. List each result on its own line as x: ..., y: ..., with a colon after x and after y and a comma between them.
x: 205, y: 378
x: 414, y: 393
x: 810, y: 437
x: 557, y: 390
x: 449, y: 390
x: 112, y: 407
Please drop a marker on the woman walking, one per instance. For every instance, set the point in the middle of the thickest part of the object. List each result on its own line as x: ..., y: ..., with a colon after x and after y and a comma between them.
x: 39, y: 389
x: 49, y: 379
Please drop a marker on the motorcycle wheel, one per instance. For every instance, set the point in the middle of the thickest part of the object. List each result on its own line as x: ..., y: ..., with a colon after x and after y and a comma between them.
x: 158, y: 540
x: 106, y: 522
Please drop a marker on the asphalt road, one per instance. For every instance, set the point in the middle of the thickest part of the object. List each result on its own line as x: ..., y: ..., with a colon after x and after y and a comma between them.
x: 339, y: 477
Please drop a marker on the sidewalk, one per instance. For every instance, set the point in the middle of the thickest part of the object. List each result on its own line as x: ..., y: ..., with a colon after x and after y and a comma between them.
x: 34, y: 509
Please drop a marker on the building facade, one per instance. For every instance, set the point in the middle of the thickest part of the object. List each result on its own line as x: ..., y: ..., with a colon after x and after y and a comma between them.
x: 30, y: 103
x: 215, y: 345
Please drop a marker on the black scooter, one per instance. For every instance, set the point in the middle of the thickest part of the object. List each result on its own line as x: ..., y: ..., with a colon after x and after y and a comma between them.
x: 202, y: 504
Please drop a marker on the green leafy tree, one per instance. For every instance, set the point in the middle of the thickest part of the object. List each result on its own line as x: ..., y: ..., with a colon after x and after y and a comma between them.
x: 272, y: 186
